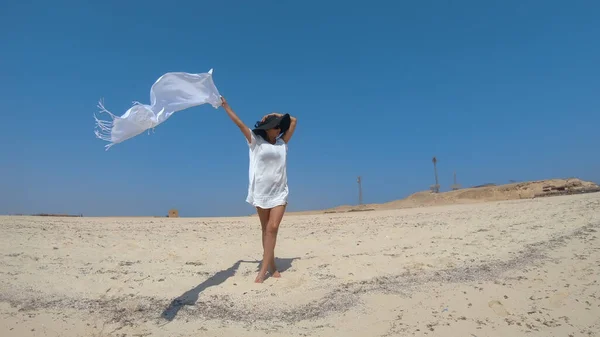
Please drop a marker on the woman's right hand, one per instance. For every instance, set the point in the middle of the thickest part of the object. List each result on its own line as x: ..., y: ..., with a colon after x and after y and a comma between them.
x: 224, y: 102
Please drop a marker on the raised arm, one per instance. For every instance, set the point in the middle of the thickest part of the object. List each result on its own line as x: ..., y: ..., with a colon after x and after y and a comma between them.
x: 290, y: 132
x: 245, y: 130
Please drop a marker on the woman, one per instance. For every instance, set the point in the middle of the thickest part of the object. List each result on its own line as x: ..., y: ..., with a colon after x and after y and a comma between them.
x: 267, y: 188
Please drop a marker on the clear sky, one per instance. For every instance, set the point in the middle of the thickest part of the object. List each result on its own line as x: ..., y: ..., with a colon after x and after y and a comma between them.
x: 497, y: 90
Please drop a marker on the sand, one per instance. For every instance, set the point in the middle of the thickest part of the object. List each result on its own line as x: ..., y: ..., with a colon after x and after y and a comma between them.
x: 508, y: 268
x: 471, y: 195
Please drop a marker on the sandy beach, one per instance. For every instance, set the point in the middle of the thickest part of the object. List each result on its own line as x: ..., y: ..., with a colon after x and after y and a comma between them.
x: 508, y: 268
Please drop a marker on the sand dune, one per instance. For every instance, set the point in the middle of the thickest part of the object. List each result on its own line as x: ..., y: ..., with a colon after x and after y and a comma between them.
x: 516, y: 191
x: 509, y: 268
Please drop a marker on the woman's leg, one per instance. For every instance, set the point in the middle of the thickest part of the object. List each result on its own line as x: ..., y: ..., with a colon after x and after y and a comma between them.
x: 270, y: 238
x: 263, y: 215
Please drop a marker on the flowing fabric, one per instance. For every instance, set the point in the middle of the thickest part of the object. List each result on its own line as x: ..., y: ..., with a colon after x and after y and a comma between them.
x: 172, y: 92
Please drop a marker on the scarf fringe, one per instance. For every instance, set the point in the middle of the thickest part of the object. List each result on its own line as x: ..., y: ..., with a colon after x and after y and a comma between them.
x: 104, y: 127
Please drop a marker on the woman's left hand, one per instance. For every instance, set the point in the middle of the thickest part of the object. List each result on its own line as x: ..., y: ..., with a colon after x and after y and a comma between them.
x: 273, y: 114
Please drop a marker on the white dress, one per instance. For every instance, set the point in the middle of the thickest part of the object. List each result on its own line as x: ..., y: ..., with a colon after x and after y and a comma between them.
x: 267, y: 186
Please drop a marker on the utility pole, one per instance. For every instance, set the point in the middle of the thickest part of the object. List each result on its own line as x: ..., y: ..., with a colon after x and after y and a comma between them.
x: 359, y: 181
x: 435, y: 188
x: 456, y: 186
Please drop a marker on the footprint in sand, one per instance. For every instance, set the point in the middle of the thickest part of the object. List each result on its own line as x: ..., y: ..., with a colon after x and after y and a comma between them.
x: 291, y: 283
x: 498, y: 308
x: 417, y: 266
x: 557, y: 300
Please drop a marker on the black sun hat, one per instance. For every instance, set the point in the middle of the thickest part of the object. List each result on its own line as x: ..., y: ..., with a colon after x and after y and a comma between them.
x: 273, y: 121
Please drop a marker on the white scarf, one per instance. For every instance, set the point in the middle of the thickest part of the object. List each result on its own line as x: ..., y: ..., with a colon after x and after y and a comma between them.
x: 170, y: 93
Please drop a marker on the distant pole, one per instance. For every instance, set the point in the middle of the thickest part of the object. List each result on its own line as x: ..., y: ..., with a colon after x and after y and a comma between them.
x: 436, y: 187
x: 359, y: 181
x: 456, y: 186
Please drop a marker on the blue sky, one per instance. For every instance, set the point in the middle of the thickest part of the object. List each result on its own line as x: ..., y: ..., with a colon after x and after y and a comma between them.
x: 498, y: 91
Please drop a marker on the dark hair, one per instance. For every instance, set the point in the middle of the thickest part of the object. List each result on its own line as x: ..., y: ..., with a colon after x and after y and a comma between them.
x: 263, y: 134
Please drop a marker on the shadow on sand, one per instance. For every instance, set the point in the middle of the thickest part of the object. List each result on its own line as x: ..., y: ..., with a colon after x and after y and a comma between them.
x: 191, y: 296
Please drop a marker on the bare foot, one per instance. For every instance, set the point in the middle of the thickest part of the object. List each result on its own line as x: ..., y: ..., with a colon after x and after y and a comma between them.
x: 276, y: 274
x: 260, y: 277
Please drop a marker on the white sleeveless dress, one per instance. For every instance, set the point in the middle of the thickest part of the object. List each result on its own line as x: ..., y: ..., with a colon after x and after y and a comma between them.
x: 267, y: 186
